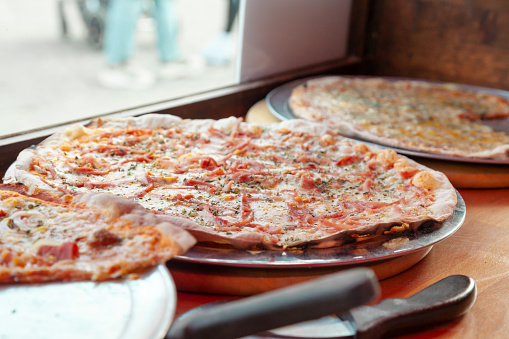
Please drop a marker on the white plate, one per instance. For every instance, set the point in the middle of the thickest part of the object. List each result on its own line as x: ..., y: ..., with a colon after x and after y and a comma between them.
x: 138, y: 309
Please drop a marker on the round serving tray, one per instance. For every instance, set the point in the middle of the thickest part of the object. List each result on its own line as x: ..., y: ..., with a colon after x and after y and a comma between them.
x: 122, y: 308
x: 277, y: 103
x: 225, y: 270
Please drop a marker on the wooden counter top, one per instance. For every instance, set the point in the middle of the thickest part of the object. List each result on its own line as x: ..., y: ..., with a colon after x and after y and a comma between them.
x: 479, y: 249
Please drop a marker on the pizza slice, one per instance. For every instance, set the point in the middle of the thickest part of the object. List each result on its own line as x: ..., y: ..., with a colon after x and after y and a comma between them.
x: 94, y: 236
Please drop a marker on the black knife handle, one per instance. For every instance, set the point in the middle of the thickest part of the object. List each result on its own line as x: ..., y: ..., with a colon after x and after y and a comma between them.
x: 330, y: 294
x: 445, y: 300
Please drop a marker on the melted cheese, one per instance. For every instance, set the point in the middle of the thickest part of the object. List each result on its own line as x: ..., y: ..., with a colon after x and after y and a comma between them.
x: 43, y: 241
x: 415, y: 115
x: 290, y: 186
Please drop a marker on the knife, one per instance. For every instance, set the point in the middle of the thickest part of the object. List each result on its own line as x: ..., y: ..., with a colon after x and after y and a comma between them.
x: 313, y: 299
x: 443, y: 301
x: 328, y: 307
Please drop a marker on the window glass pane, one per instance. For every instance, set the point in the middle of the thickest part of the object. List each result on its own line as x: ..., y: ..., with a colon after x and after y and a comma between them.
x: 68, y: 60
x: 284, y: 35
x: 53, y: 65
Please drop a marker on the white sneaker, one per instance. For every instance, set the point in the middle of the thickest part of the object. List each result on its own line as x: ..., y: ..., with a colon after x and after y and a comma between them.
x: 220, y: 50
x: 182, y: 68
x: 125, y: 76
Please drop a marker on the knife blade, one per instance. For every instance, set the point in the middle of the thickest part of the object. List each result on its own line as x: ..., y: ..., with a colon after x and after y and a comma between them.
x: 443, y: 301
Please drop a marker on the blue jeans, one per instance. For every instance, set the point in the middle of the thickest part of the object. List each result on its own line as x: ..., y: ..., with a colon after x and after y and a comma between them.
x: 120, y: 28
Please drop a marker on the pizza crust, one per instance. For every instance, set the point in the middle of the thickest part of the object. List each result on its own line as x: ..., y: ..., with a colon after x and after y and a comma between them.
x: 120, y: 207
x: 497, y: 153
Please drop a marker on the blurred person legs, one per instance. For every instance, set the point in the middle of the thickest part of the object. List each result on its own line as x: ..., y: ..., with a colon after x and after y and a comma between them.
x: 219, y: 51
x: 118, y: 47
x: 173, y: 65
x: 165, y: 17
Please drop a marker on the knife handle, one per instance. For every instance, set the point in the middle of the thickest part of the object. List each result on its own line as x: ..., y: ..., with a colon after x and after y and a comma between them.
x: 333, y: 293
x: 445, y: 300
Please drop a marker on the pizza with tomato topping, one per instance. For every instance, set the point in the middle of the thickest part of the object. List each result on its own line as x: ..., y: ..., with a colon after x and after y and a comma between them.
x: 267, y: 186
x: 94, y: 236
x: 415, y: 115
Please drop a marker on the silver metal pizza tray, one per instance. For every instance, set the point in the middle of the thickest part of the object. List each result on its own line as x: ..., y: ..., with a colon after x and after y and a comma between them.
x: 225, y: 270
x: 277, y: 103
x: 138, y: 309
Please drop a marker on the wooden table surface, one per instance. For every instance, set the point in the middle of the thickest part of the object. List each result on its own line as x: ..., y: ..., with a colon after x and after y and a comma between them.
x: 479, y: 249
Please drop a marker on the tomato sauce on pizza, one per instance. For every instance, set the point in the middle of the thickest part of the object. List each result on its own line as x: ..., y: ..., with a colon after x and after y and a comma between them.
x: 94, y: 236
x: 273, y: 186
x: 415, y: 115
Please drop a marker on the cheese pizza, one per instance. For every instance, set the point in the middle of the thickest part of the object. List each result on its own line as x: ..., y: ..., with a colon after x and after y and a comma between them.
x: 415, y: 115
x: 94, y: 236
x: 290, y: 184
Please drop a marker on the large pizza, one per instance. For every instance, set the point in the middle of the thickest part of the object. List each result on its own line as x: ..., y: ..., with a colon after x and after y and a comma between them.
x: 416, y: 115
x: 268, y: 186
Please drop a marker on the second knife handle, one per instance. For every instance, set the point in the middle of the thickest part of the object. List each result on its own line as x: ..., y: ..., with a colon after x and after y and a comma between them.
x: 445, y: 300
